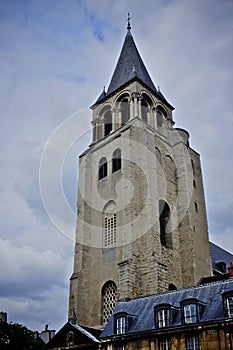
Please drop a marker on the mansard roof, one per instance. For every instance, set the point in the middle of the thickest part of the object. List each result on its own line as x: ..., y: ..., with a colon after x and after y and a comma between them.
x: 130, y: 67
x: 209, y: 295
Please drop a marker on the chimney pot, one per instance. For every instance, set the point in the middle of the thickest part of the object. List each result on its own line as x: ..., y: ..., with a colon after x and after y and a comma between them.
x: 230, y: 270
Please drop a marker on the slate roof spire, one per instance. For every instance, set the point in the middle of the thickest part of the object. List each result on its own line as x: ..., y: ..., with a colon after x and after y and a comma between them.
x: 129, y: 67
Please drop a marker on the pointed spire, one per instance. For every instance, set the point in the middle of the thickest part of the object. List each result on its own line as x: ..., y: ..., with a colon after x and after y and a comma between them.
x: 129, y: 67
x: 128, y: 62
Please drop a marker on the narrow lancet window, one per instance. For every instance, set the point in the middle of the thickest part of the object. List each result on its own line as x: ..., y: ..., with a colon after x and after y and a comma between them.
x: 116, y: 160
x: 164, y: 216
x: 107, y: 122
x: 103, y: 169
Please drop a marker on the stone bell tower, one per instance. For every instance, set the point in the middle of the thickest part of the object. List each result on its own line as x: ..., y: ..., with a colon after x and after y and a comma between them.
x: 141, y: 222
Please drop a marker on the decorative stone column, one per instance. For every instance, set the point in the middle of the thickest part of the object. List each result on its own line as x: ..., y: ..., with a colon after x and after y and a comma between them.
x: 93, y: 122
x: 102, y: 126
x: 135, y: 96
x: 119, y: 119
x: 154, y: 118
x: 114, y: 126
x: 139, y: 107
x: 131, y: 108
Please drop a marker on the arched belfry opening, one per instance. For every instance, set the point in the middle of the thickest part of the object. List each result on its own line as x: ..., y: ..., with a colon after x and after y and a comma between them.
x: 107, y: 122
x: 146, y: 106
x: 164, y: 224
x: 161, y: 115
x: 124, y: 104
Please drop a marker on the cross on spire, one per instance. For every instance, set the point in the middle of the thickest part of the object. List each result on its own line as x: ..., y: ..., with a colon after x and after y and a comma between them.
x: 128, y: 20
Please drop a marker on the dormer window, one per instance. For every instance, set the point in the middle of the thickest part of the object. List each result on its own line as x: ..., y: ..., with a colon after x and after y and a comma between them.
x: 230, y: 306
x: 163, y: 318
x: 121, y: 325
x: 164, y: 315
x: 228, y: 303
x: 192, y: 310
x: 123, y: 322
x: 190, y: 313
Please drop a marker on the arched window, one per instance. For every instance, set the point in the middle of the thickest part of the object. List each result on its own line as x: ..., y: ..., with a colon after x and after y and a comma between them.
x: 109, y: 300
x: 164, y: 216
x: 144, y: 109
x: 107, y: 122
x: 70, y: 339
x: 158, y: 155
x: 116, y: 160
x: 170, y: 169
x: 125, y: 110
x: 172, y: 287
x: 146, y: 105
x: 123, y: 103
x: 110, y: 225
x: 160, y: 115
x: 103, y: 169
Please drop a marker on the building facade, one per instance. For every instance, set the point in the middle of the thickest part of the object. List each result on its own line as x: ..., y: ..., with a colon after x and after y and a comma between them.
x: 195, y: 318
x: 141, y: 221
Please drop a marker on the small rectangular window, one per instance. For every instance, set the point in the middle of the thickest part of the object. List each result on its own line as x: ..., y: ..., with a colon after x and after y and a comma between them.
x: 110, y: 230
x: 121, y: 325
x: 165, y: 344
x: 192, y: 343
x: 163, y: 318
x: 230, y: 306
x: 196, y: 207
x: 190, y: 313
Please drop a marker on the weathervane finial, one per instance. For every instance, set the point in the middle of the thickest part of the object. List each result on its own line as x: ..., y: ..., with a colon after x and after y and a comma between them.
x: 128, y: 26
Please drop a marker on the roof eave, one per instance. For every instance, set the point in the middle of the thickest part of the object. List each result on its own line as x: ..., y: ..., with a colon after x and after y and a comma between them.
x: 154, y: 92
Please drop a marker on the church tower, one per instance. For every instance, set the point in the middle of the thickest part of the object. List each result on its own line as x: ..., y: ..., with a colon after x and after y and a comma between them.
x: 141, y: 221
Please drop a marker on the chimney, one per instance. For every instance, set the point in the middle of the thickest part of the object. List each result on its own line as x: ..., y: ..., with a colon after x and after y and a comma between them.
x: 3, y: 316
x: 230, y: 270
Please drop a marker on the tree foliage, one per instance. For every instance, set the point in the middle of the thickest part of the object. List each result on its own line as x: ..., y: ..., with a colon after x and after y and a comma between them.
x: 15, y: 336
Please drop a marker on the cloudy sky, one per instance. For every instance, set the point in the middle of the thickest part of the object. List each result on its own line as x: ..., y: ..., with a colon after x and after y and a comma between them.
x: 55, y: 58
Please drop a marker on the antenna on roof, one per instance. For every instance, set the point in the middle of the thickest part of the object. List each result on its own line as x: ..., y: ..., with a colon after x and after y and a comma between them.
x: 128, y: 20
